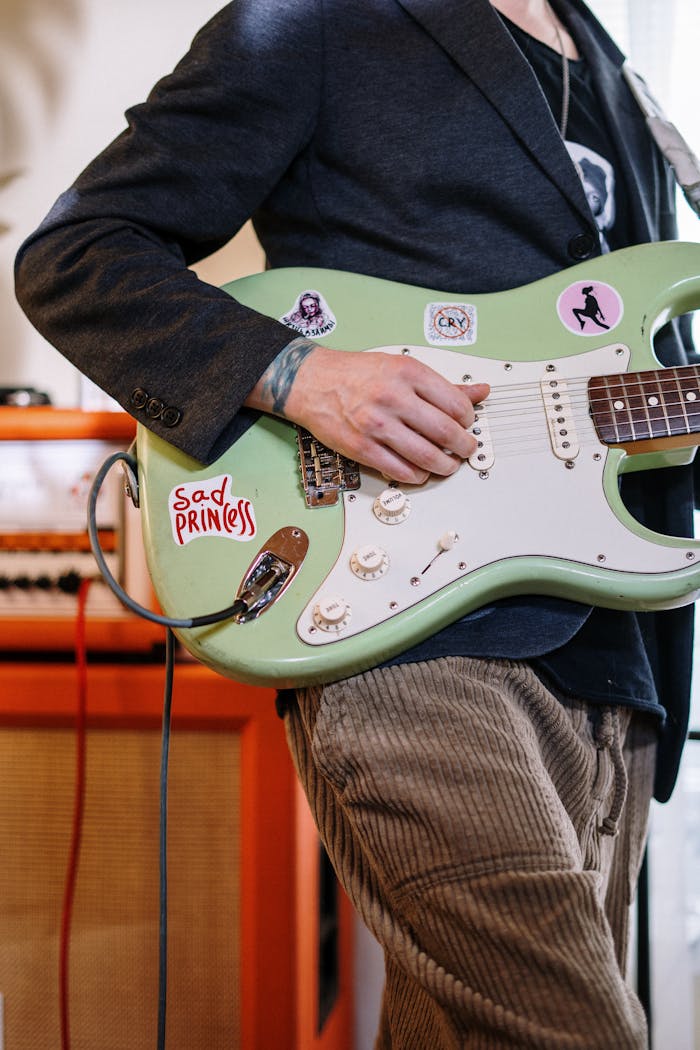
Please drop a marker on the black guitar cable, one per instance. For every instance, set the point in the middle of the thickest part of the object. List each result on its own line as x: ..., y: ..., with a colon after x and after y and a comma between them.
x: 240, y: 605
x: 163, y: 839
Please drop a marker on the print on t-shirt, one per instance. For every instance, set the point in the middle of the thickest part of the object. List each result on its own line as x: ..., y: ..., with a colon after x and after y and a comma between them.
x: 598, y: 178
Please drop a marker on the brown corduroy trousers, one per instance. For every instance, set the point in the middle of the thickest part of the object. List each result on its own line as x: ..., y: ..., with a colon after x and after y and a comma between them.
x: 490, y: 836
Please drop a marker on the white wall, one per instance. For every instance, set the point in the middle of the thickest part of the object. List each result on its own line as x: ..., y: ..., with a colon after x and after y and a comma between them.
x: 68, y: 70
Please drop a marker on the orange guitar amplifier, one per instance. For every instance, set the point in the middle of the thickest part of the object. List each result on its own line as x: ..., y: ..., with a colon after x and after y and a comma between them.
x: 48, y: 458
x: 259, y: 935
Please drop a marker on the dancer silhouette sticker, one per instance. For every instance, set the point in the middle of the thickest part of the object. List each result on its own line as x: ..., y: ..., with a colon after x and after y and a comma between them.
x: 589, y: 308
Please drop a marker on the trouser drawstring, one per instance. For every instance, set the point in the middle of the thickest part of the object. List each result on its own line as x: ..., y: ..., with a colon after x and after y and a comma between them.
x: 608, y: 738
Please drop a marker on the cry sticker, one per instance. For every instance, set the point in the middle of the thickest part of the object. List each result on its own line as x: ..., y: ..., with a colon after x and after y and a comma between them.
x: 589, y: 308
x: 450, y: 324
x: 208, y: 508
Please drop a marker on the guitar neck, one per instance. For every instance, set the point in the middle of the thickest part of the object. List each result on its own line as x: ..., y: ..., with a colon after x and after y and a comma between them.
x: 645, y: 411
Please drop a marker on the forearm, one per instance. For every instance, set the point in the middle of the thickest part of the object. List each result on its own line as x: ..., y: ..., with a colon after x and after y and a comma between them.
x: 271, y: 392
x: 128, y: 314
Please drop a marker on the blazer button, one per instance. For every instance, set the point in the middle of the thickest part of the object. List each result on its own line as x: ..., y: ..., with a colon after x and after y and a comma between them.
x: 582, y: 246
x: 154, y: 407
x: 139, y: 397
x: 170, y: 416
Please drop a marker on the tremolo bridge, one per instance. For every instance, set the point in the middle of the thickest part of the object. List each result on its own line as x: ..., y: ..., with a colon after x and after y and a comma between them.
x: 324, y: 473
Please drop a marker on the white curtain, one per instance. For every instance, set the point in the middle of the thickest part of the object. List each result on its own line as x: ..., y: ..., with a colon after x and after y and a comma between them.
x: 662, y: 41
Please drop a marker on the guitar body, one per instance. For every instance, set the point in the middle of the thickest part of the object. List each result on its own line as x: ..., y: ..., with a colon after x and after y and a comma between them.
x: 372, y: 569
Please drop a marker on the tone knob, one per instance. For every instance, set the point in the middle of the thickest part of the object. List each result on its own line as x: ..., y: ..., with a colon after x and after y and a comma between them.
x: 331, y: 613
x: 392, y: 506
x: 369, y: 562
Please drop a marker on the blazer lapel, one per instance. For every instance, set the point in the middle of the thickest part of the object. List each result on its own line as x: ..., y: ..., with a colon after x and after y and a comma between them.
x: 473, y: 35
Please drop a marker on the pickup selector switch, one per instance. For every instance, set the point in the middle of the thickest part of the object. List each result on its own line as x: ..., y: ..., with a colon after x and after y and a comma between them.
x: 369, y: 562
x: 392, y: 506
x: 332, y: 613
x: 448, y: 540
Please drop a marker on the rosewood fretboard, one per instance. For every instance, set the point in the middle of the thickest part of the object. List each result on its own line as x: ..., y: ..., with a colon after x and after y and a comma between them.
x: 647, y: 406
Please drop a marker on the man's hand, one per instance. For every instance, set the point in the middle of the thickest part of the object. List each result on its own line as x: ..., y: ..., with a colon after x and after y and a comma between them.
x: 389, y: 412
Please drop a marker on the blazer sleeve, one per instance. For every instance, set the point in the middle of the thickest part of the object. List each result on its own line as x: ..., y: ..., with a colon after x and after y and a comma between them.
x: 105, y: 278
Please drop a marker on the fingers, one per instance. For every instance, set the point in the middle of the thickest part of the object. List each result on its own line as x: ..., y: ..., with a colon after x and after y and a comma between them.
x: 425, y: 432
x: 436, y: 419
x: 425, y: 441
x: 394, y: 414
x: 477, y: 392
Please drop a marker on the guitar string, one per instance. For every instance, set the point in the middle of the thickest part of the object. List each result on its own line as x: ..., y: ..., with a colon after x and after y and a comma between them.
x: 581, y: 430
x: 671, y: 412
x: 527, y: 442
x: 576, y: 391
x: 673, y: 417
x: 534, y: 435
x: 574, y: 395
x: 651, y: 384
x: 672, y: 424
x: 530, y: 431
x: 530, y: 444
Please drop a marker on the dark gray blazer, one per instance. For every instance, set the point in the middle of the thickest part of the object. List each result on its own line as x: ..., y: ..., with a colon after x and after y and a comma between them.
x: 407, y: 139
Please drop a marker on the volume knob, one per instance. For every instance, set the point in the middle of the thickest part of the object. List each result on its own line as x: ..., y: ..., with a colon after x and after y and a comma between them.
x: 331, y: 613
x: 392, y: 506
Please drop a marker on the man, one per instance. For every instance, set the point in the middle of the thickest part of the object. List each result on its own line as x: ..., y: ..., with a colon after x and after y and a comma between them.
x: 484, y: 797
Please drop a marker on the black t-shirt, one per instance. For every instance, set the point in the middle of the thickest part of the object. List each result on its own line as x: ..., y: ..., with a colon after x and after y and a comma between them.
x: 587, y: 138
x: 607, y: 659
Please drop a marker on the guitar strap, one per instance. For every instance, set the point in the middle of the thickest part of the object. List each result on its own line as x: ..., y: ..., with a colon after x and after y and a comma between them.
x: 684, y: 163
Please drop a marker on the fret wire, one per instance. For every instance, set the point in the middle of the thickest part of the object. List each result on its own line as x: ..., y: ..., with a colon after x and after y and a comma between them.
x: 611, y: 402
x: 682, y: 401
x: 664, y: 406
x: 633, y: 408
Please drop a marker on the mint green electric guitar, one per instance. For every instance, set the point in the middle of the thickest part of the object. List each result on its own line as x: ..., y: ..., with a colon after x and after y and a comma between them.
x: 339, y: 569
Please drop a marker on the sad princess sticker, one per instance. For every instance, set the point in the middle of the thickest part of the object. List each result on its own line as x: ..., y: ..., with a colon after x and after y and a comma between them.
x: 311, y: 315
x: 208, y: 508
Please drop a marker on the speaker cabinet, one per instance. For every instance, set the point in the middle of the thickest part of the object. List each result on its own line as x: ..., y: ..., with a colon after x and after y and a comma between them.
x: 259, y: 934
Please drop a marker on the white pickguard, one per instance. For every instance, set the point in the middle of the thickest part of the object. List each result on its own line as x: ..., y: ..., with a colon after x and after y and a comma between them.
x: 530, y: 502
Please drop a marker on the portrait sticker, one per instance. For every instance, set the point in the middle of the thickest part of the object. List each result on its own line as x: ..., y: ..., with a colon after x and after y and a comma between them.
x: 310, y: 316
x: 208, y: 508
x: 590, y: 307
x: 450, y: 324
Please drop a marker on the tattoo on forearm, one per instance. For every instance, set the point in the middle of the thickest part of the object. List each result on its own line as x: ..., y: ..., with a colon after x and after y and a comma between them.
x: 278, y: 379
